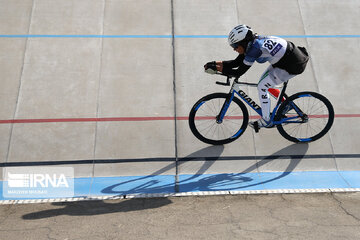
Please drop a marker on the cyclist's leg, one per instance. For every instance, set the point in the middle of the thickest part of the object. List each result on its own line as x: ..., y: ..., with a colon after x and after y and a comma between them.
x: 270, y: 78
x: 264, y: 84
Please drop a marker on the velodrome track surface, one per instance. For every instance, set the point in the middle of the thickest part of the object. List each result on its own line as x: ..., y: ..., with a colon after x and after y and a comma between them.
x: 106, y: 88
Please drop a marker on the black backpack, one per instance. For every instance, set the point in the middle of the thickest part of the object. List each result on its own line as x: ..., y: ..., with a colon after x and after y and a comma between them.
x: 294, y: 60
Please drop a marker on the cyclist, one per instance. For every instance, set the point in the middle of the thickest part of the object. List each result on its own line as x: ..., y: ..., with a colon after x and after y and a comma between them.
x: 286, y: 59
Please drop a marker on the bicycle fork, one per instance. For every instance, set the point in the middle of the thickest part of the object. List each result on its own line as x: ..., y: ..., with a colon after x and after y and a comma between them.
x: 224, y: 108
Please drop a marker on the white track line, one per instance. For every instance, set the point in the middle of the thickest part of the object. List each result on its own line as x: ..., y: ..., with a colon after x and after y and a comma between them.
x: 182, y: 194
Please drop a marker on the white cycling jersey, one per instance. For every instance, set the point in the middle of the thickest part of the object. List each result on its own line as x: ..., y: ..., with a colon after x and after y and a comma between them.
x: 265, y: 49
x: 286, y: 61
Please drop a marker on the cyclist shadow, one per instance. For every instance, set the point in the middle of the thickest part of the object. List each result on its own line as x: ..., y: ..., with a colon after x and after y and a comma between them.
x: 214, y: 182
x: 245, y: 179
x: 194, y: 182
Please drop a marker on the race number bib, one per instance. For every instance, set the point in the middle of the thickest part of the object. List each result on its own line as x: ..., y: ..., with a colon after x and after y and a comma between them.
x: 272, y: 46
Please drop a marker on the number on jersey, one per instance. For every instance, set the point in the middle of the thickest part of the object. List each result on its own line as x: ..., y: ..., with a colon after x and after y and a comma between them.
x: 272, y: 46
x: 269, y: 45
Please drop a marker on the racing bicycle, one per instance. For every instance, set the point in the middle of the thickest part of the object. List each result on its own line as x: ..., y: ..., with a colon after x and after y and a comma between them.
x: 221, y: 118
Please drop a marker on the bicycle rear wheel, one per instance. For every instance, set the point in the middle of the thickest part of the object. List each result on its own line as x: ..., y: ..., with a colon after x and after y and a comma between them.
x: 312, y: 117
x: 203, y: 124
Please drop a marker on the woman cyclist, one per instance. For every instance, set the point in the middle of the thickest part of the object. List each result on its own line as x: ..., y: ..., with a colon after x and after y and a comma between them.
x: 286, y: 61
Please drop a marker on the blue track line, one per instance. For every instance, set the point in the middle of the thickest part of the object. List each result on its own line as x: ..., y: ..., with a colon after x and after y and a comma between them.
x: 111, y: 186
x: 159, y: 36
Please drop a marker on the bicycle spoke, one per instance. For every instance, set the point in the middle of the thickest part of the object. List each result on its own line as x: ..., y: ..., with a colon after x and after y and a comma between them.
x: 206, y: 124
x: 314, y: 121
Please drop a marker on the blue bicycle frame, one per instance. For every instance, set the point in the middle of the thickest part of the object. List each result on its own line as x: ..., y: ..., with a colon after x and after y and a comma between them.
x: 235, y: 89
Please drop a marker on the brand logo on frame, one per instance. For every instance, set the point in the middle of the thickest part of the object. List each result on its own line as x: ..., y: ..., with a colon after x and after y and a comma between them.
x: 38, y: 182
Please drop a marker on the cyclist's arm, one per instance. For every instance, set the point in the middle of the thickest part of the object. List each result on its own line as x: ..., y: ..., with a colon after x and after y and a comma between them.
x: 233, y: 63
x: 228, y: 66
x: 242, y: 69
x: 242, y: 62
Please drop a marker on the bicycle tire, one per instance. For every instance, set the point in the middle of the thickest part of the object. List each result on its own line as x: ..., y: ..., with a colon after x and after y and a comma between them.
x: 206, y: 110
x: 319, y: 111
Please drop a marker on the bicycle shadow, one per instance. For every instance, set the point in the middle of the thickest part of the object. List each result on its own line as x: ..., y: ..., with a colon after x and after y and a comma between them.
x: 225, y: 182
x: 243, y: 180
x: 213, y: 182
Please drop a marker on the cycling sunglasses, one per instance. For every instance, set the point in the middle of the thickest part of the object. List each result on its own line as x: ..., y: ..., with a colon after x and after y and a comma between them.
x: 235, y: 45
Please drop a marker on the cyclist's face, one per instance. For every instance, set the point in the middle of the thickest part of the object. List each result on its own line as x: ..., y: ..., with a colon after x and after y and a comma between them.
x: 239, y: 49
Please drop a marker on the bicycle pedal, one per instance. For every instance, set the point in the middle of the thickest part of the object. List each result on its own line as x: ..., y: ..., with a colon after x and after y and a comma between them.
x: 256, y: 127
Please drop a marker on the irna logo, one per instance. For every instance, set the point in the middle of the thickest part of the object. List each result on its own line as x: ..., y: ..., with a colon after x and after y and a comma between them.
x: 37, y: 180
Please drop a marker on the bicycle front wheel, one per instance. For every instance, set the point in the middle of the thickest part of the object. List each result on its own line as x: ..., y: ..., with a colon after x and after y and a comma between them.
x: 310, y: 116
x: 203, y: 119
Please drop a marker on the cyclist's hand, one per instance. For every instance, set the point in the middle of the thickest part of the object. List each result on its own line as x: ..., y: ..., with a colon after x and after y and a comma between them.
x: 210, y: 67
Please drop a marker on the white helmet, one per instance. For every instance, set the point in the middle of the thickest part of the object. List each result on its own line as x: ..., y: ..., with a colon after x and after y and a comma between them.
x: 240, y: 35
